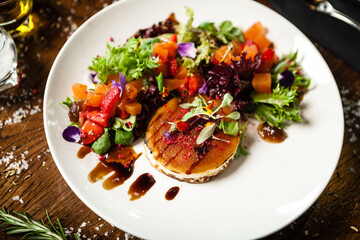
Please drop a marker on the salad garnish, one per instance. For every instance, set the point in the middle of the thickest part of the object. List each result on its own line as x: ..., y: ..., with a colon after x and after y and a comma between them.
x: 221, y: 74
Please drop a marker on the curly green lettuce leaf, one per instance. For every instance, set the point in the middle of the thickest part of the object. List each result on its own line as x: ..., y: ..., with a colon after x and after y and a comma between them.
x: 131, y: 60
x: 280, y: 96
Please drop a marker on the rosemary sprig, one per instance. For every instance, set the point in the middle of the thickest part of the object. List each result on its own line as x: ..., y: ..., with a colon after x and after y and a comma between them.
x: 30, y: 228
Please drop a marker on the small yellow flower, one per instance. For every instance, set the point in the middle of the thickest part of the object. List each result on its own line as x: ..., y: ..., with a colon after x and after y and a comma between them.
x: 164, y: 92
x: 209, y: 124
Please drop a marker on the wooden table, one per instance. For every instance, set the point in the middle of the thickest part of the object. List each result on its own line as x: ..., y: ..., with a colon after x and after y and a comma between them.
x: 335, y: 215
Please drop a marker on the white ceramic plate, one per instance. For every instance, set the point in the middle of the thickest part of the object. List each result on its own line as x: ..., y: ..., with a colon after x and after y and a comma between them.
x: 258, y: 194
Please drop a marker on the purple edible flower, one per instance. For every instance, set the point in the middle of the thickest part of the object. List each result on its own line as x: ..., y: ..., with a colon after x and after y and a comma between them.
x: 204, y: 88
x: 94, y: 78
x: 120, y: 85
x: 167, y: 135
x: 187, y: 49
x: 71, y: 134
x: 286, y: 78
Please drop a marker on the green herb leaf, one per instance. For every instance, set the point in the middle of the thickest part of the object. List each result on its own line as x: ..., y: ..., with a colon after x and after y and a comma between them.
x: 205, y: 133
x: 30, y: 228
x: 234, y: 115
x: 228, y: 32
x: 160, y: 82
x: 103, y: 143
x: 225, y: 102
x: 123, y: 137
x: 193, y: 112
x: 241, y: 151
x: 208, y: 26
x: 67, y: 102
x: 197, y: 102
x: 229, y: 128
x: 122, y: 123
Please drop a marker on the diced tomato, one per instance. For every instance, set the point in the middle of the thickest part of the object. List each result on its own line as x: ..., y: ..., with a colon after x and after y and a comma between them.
x: 110, y: 101
x: 79, y: 91
x: 121, y: 114
x: 133, y: 108
x: 184, y: 87
x: 98, y: 117
x: 90, y: 131
x: 267, y: 60
x: 173, y: 67
x: 173, y: 38
x: 82, y: 116
x: 195, y: 82
x: 262, y: 82
x: 93, y: 99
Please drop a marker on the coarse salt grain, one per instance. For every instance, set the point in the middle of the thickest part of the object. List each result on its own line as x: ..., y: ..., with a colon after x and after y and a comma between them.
x: 17, y: 198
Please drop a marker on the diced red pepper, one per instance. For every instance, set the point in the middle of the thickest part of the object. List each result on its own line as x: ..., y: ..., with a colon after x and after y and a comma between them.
x: 90, y: 131
x: 98, y: 117
x: 122, y: 114
x: 173, y: 67
x: 267, y: 60
x: 173, y: 38
x: 110, y: 101
x: 194, y: 84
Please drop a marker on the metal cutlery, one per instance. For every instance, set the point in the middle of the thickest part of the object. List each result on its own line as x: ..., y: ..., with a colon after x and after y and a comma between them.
x: 325, y: 7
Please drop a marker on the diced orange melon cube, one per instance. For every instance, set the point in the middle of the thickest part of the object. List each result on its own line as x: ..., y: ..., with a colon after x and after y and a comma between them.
x: 102, y: 88
x: 133, y: 108
x: 253, y: 31
x: 93, y: 99
x: 237, y: 47
x: 262, y: 42
x: 138, y: 84
x: 79, y: 91
x: 262, y: 82
x: 251, y: 50
x: 171, y: 84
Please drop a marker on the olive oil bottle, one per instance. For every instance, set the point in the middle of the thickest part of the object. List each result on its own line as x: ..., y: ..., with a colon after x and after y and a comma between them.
x: 13, y: 13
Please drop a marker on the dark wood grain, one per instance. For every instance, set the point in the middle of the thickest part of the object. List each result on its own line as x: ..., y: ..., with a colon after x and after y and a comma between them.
x: 42, y: 187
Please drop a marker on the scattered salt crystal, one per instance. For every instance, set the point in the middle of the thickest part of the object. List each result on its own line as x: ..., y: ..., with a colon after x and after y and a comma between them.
x: 128, y: 236
x: 106, y: 234
x: 17, y: 198
x: 83, y: 224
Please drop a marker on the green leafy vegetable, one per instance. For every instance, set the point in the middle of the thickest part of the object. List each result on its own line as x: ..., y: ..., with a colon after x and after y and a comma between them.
x: 280, y: 96
x: 205, y: 133
x: 123, y: 137
x: 160, y: 82
x: 67, y: 102
x: 197, y: 102
x: 241, y: 151
x: 131, y: 60
x: 233, y: 116
x: 276, y: 116
x: 103, y: 143
x: 30, y: 228
x: 228, y: 32
x: 230, y: 128
x: 124, y: 123
x: 185, y: 33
